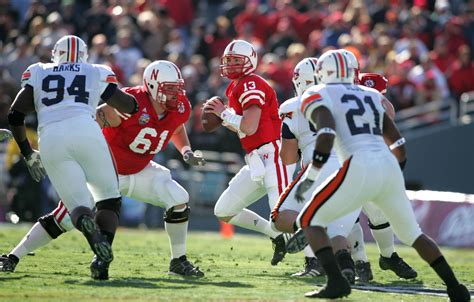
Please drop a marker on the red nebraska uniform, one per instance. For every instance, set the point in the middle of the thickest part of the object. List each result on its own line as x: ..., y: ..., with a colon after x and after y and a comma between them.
x: 141, y: 135
x: 254, y: 90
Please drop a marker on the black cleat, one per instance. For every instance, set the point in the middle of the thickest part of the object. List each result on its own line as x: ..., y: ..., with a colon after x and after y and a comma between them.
x: 363, y: 271
x: 398, y: 266
x: 297, y: 242
x: 312, y: 268
x: 279, y: 248
x: 182, y: 267
x: 459, y: 293
x: 346, y: 264
x: 8, y: 263
x: 97, y: 241
x: 99, y: 269
x: 337, y: 289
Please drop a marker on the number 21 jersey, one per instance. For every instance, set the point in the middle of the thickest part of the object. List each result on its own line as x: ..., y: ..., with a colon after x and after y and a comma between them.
x: 357, y: 111
x: 140, y: 136
x: 66, y: 90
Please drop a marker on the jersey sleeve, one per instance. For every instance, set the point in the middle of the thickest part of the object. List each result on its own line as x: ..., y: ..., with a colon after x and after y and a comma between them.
x: 107, y: 82
x: 29, y: 75
x: 252, y: 92
x: 286, y: 131
x: 313, y: 99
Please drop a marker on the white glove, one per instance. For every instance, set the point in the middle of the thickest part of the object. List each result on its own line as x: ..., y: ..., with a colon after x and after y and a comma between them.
x: 5, y: 134
x: 306, y: 183
x: 194, y: 158
x: 33, y: 161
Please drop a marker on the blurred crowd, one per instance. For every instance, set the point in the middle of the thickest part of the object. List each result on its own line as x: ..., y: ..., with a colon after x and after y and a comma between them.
x: 423, y: 47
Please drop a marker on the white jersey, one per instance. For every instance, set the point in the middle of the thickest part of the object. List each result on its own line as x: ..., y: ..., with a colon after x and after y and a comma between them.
x: 66, y: 90
x: 300, y: 128
x: 357, y: 111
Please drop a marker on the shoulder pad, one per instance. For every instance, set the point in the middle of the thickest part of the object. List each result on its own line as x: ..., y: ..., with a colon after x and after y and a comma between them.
x: 290, y: 105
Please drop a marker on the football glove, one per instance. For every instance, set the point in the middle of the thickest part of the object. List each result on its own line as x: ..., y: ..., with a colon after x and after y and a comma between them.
x: 5, y: 134
x: 193, y: 159
x: 306, y: 183
x: 33, y: 161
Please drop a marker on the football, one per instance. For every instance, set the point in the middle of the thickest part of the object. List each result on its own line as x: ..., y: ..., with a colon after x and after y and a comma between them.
x: 210, y: 121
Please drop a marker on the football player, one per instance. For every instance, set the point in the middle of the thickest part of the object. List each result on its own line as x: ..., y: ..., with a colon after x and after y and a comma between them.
x: 252, y: 112
x: 65, y: 94
x: 134, y: 139
x: 352, y: 117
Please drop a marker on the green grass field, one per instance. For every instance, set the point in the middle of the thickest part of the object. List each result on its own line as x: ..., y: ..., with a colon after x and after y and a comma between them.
x: 237, y: 269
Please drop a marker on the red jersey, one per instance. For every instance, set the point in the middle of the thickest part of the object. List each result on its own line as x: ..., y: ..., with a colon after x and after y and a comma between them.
x: 141, y: 135
x: 254, y: 90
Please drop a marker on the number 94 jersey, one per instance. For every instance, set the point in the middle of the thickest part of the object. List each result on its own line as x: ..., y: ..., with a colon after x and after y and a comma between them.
x: 66, y: 90
x: 140, y: 136
x: 357, y: 111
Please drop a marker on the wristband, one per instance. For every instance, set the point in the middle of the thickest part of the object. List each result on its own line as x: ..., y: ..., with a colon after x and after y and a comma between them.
x: 326, y: 130
x: 312, y: 173
x: 398, y: 143
x: 319, y: 157
x: 231, y: 118
x: 185, y: 149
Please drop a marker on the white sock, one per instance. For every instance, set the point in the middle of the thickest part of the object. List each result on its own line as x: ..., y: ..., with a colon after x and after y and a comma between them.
x: 36, y: 238
x: 177, y: 233
x: 308, y: 252
x: 384, y: 239
x: 252, y: 221
x: 356, y: 239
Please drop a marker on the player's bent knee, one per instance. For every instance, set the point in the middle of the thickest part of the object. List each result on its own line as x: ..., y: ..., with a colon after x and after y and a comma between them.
x: 177, y: 193
x: 112, y: 204
x: 226, y: 205
x: 48, y: 222
x: 171, y: 216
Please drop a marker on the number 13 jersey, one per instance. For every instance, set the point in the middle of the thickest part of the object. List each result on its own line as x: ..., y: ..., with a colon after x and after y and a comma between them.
x: 357, y: 111
x: 140, y: 136
x: 66, y: 90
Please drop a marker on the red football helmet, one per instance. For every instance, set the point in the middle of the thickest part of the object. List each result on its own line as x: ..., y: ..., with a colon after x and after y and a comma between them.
x: 374, y: 80
x: 238, y: 60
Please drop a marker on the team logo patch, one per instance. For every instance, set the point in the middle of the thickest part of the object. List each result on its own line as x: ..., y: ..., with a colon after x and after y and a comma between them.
x: 287, y: 115
x: 144, y: 118
x: 181, y: 107
x: 369, y: 83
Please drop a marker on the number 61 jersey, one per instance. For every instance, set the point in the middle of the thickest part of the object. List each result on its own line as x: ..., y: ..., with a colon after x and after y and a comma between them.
x: 140, y: 136
x: 66, y: 90
x: 357, y: 111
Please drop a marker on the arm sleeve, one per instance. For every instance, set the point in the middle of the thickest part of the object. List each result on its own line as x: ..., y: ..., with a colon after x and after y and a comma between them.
x: 252, y: 93
x: 286, y: 132
x: 107, y: 82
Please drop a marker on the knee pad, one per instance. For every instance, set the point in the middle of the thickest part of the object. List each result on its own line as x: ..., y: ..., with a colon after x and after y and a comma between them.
x: 170, y: 216
x: 50, y: 225
x: 112, y: 204
x: 378, y: 227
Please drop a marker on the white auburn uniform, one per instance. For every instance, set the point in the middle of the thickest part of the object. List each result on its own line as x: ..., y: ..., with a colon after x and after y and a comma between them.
x: 301, y: 129
x: 73, y: 150
x: 369, y: 172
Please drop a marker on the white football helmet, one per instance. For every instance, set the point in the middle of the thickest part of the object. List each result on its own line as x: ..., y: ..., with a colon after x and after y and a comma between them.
x: 304, y: 75
x: 239, y: 59
x: 164, y: 84
x: 70, y: 49
x: 353, y: 63
x: 333, y: 67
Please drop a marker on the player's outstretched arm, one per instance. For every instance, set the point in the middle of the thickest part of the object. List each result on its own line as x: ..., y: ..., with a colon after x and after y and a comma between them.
x: 181, y: 142
x: 120, y: 100
x: 107, y: 116
x: 394, y: 139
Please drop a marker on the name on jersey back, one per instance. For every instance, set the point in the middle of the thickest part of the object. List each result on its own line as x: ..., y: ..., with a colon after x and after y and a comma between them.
x: 67, y: 67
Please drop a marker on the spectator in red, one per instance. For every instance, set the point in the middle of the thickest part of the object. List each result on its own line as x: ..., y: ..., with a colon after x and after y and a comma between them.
x: 462, y: 76
x: 453, y: 34
x: 219, y: 37
x: 307, y: 22
x: 401, y: 91
x: 440, y: 55
x: 285, y: 12
x: 182, y: 13
x: 253, y: 18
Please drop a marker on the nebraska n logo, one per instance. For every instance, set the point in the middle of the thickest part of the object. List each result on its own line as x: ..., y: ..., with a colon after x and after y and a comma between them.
x: 154, y: 74
x: 253, y: 54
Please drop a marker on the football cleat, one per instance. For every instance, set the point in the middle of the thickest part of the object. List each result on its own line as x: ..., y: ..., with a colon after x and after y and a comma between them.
x: 182, y: 267
x: 459, y: 293
x: 99, y: 269
x: 398, y: 266
x: 346, y: 264
x: 97, y: 241
x: 8, y: 263
x: 363, y: 271
x: 279, y: 248
x: 336, y: 289
x: 297, y: 242
x: 312, y: 268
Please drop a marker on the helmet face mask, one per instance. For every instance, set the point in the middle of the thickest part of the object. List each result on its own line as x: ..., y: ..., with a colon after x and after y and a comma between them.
x: 69, y: 49
x: 239, y: 59
x: 164, y: 84
x: 304, y: 75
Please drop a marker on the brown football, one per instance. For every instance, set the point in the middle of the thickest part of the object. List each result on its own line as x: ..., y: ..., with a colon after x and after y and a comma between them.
x: 210, y: 121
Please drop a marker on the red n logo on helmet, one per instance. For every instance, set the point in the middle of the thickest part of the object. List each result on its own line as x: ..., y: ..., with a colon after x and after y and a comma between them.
x: 253, y: 53
x: 154, y: 74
